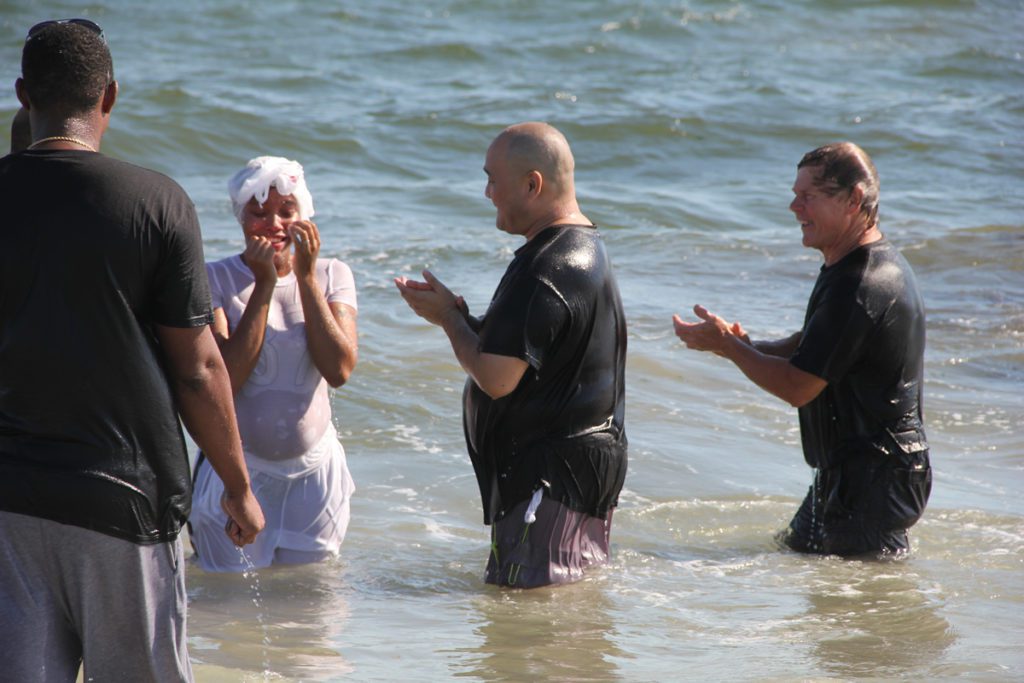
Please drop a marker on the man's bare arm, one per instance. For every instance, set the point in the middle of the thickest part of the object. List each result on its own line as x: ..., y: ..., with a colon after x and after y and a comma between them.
x: 496, y: 375
x: 770, y: 369
x: 201, y: 385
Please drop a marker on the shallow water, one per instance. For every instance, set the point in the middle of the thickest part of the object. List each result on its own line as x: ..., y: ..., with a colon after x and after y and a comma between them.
x: 687, y: 119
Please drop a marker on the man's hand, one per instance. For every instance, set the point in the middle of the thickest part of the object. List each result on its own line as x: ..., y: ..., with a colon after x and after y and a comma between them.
x: 430, y: 300
x: 245, y: 517
x: 712, y: 334
x: 496, y: 375
x: 768, y: 369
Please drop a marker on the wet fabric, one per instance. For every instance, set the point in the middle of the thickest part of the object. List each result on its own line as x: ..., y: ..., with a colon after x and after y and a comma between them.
x: 59, y: 586
x: 558, y: 308
x: 96, y: 252
x: 306, y: 516
x: 556, y: 548
x: 284, y: 407
x: 864, y: 334
x: 260, y: 174
x: 862, y: 506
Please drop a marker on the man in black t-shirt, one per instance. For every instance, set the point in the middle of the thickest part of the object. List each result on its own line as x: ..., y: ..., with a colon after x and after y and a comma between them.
x: 855, y: 370
x: 104, y: 341
x: 544, y: 402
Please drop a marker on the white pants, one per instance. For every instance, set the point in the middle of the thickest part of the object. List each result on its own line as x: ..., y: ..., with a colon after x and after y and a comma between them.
x: 307, y: 516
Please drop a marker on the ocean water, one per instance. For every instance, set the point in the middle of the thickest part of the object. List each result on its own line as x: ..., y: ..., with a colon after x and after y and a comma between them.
x: 687, y: 120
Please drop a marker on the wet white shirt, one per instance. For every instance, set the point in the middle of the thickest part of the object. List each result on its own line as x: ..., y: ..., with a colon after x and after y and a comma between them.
x: 283, y: 408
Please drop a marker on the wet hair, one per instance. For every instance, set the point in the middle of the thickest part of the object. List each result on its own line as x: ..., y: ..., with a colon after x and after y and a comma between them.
x: 66, y: 68
x: 842, y: 167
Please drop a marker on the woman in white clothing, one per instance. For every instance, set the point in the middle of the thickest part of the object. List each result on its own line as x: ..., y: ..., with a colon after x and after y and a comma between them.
x: 285, y: 321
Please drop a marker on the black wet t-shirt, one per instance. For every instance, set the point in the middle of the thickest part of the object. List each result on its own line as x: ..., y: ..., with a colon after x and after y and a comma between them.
x: 864, y: 334
x: 558, y: 308
x: 96, y: 252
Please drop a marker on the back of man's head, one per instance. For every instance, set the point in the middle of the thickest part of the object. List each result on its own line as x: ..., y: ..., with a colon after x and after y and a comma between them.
x: 66, y: 68
x: 541, y: 147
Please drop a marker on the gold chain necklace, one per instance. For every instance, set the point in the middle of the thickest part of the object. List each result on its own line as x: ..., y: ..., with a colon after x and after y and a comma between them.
x: 62, y: 138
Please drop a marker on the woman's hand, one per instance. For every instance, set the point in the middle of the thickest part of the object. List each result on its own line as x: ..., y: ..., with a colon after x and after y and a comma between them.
x: 259, y: 257
x: 306, y: 242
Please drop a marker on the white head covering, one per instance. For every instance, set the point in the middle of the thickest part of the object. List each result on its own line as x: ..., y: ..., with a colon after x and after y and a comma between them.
x: 262, y: 173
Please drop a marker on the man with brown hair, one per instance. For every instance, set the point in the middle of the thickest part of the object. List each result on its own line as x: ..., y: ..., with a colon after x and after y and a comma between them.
x: 855, y: 370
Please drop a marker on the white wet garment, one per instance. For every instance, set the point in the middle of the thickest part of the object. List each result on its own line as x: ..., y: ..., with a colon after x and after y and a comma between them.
x: 283, y: 408
x: 262, y: 173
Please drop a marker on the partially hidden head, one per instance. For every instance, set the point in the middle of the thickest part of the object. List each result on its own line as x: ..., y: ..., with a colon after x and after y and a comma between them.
x: 21, y: 131
x: 262, y: 173
x: 66, y: 67
x: 841, y: 168
x: 530, y: 172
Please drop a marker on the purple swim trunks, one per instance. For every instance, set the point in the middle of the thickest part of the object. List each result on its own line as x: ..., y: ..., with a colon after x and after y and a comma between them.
x: 555, y: 548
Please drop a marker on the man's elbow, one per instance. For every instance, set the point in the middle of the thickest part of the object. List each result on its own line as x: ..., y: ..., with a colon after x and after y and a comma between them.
x: 338, y: 376
x: 798, y: 401
x: 495, y: 388
x: 496, y: 392
x: 199, y: 376
x: 803, y: 391
x: 337, y: 379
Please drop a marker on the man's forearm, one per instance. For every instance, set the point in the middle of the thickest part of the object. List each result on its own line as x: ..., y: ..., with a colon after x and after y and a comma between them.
x: 496, y: 375
x: 780, y: 348
x: 207, y: 411
x: 199, y: 379
x: 774, y: 374
x: 465, y: 343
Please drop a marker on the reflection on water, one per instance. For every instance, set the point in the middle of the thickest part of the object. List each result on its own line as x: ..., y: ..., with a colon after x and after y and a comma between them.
x: 544, y: 634
x: 875, y: 619
x: 290, y: 633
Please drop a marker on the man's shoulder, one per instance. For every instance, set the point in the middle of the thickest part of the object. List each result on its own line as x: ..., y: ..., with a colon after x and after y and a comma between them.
x: 571, y: 251
x: 138, y: 174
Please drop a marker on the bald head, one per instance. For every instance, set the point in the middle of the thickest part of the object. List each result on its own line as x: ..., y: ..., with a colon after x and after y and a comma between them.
x: 536, y: 146
x: 530, y: 179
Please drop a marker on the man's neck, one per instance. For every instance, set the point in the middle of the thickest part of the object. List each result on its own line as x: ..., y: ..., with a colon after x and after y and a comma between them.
x: 65, y: 133
x: 834, y: 255
x: 565, y: 215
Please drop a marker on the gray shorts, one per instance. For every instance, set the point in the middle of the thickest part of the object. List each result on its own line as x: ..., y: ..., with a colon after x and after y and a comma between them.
x: 555, y: 548
x: 68, y: 592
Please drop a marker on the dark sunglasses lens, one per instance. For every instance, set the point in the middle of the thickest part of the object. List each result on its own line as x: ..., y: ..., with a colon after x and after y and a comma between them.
x: 39, y: 27
x: 91, y: 25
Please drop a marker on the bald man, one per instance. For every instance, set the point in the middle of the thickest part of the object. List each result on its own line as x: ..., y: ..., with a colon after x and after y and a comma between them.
x: 543, y: 406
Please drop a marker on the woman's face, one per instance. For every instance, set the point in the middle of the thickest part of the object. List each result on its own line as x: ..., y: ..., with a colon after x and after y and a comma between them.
x: 271, y: 220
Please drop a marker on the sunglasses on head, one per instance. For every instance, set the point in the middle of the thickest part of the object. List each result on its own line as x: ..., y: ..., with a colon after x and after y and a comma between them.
x: 91, y: 25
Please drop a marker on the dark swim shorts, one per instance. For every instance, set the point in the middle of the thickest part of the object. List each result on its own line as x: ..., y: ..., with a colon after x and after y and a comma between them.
x: 555, y: 548
x: 862, y: 506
